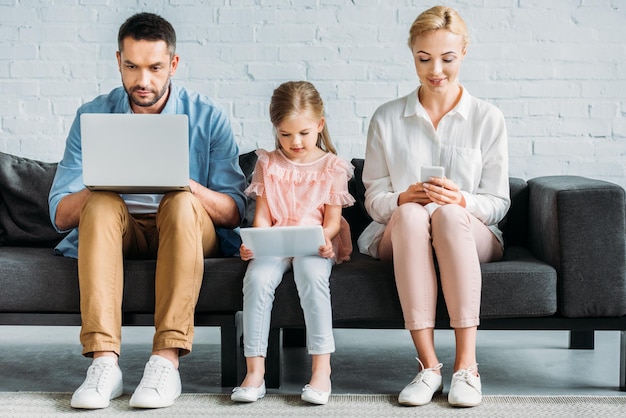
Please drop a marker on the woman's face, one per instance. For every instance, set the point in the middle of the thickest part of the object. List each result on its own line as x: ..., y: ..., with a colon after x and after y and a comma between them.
x: 438, y: 55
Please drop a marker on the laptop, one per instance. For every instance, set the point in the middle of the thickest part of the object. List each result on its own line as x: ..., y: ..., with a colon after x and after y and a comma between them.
x: 132, y: 153
x: 283, y: 241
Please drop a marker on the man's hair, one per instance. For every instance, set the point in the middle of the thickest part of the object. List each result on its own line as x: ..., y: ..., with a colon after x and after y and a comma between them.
x: 149, y: 27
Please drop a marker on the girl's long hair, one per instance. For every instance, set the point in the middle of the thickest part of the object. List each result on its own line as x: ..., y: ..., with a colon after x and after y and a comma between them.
x: 294, y: 97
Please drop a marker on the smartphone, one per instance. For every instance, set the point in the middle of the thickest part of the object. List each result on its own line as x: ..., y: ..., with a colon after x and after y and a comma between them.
x: 431, y: 171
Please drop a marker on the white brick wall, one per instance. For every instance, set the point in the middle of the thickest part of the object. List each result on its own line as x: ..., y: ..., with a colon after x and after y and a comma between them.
x: 556, y: 68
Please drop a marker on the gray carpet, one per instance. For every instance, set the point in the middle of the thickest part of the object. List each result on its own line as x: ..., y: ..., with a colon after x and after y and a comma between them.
x: 49, y: 404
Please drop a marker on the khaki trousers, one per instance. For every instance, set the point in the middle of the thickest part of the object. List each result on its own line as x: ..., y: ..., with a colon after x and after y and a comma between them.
x: 179, y: 236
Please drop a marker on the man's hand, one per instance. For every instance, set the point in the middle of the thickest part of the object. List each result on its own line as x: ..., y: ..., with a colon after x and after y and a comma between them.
x: 220, y: 207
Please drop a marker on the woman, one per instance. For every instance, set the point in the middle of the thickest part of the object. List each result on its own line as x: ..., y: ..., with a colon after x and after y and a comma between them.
x: 454, y: 217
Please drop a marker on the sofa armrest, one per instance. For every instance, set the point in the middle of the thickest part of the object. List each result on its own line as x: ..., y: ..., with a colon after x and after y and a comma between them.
x: 577, y: 225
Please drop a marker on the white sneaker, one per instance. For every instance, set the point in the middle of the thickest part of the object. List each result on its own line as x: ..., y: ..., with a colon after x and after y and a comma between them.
x: 103, y: 383
x: 465, y: 389
x: 160, y: 385
x: 421, y: 390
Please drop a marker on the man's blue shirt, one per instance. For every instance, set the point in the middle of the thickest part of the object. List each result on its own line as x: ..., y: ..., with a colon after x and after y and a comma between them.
x: 213, y: 156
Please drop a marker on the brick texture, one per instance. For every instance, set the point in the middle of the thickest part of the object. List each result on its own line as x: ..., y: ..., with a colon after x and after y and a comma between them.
x: 555, y: 68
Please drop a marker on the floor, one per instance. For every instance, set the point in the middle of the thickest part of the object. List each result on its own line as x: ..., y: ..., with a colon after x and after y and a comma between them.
x: 366, y: 362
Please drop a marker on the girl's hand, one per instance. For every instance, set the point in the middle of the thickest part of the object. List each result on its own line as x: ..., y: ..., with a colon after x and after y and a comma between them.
x: 245, y: 253
x: 444, y: 191
x: 326, y: 250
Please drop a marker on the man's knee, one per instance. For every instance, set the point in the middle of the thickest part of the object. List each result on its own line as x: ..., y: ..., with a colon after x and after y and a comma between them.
x: 101, y: 205
x: 179, y: 206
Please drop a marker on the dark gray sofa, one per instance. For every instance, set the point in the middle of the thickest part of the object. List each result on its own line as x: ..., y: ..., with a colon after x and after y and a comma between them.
x: 564, y: 269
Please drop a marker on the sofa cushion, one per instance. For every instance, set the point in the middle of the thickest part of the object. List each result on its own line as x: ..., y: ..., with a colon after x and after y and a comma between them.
x: 51, y: 283
x: 24, y: 188
x: 364, y: 289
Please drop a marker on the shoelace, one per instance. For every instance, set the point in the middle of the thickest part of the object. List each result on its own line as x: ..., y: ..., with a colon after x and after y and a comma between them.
x: 156, y: 377
x: 420, y: 375
x: 467, y: 375
x: 96, y: 375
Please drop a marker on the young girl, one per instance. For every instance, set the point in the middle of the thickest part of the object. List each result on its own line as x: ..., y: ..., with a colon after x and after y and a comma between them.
x: 302, y: 182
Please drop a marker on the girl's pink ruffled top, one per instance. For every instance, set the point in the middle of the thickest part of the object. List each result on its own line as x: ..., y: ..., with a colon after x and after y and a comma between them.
x: 297, y: 192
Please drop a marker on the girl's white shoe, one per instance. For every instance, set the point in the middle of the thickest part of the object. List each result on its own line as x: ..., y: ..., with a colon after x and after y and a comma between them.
x: 248, y: 394
x: 314, y: 396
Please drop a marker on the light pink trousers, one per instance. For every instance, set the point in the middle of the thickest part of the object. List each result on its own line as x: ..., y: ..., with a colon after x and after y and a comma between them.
x: 460, y: 241
x: 179, y: 236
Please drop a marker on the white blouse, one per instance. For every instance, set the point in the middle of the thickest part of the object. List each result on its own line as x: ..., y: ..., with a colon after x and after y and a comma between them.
x: 470, y: 142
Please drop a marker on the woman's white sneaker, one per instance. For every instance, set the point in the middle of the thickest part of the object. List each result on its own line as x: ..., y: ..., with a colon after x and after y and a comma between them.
x: 421, y: 390
x: 465, y: 389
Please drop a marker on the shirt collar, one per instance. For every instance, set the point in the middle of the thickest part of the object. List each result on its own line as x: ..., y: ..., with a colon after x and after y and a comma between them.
x: 414, y: 107
x: 171, y: 105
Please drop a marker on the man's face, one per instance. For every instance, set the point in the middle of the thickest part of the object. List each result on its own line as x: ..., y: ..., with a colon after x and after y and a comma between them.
x: 146, y: 68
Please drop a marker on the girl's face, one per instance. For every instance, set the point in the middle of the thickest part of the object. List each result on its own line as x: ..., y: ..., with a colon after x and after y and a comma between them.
x: 298, y: 137
x: 438, y: 55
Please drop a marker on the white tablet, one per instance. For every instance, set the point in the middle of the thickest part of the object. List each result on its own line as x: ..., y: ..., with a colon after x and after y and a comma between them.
x: 283, y: 241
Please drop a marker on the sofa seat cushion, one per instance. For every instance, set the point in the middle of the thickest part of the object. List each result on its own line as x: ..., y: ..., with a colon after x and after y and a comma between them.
x: 35, y: 280
x: 364, y: 289
x: 518, y: 286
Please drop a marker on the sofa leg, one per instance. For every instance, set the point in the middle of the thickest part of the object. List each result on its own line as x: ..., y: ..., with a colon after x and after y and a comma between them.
x: 233, y: 365
x: 581, y: 339
x: 294, y: 337
x: 622, y: 361
x: 273, y: 361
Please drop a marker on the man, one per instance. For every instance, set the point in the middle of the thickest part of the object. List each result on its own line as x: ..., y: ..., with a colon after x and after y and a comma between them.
x: 178, y: 228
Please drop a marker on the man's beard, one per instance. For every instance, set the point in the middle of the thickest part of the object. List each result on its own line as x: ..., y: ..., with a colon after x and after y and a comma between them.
x: 152, y: 102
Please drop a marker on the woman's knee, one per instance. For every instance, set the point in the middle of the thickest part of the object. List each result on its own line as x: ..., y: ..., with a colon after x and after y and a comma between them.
x: 409, y: 216
x: 447, y: 215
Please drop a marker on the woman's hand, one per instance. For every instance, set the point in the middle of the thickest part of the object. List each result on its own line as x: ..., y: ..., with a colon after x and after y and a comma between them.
x: 326, y: 250
x: 245, y: 253
x: 415, y: 193
x: 444, y: 191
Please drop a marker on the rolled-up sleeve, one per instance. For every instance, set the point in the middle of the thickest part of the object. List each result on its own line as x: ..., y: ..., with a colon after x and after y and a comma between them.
x: 69, y: 175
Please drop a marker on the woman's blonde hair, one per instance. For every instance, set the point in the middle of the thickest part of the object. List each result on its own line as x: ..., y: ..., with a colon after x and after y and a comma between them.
x: 294, y: 97
x: 438, y: 17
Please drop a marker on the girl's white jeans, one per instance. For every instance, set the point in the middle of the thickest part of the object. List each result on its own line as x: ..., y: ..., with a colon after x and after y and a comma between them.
x: 311, y: 275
